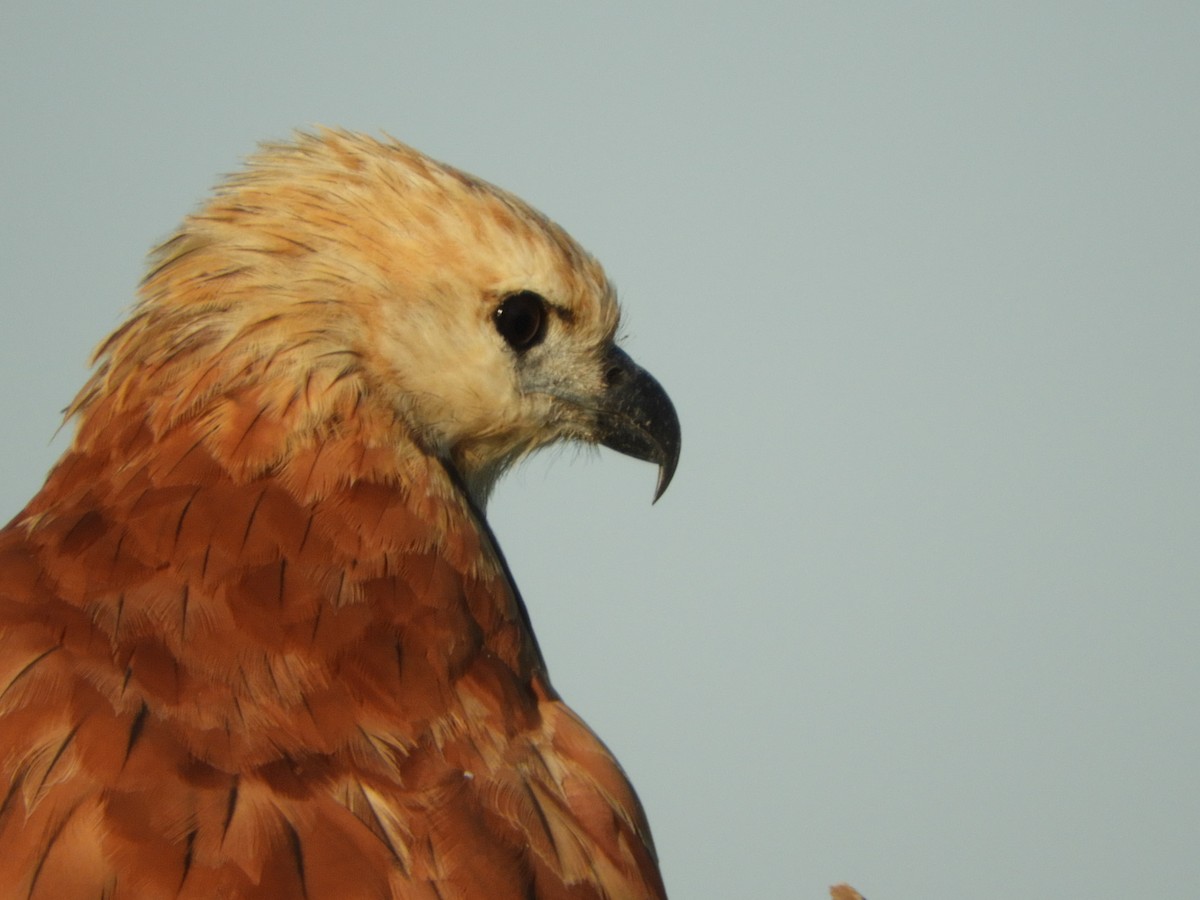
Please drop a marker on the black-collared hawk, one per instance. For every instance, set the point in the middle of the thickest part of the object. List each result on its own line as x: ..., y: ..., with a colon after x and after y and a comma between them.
x: 256, y: 637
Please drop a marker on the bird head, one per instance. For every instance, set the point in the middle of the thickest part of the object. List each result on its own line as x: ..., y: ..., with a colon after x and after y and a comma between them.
x: 338, y: 265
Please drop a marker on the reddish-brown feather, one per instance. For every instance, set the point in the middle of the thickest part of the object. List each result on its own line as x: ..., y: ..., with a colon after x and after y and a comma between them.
x: 254, y: 641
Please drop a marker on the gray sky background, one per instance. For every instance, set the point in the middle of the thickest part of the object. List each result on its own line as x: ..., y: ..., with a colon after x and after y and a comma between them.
x: 920, y: 611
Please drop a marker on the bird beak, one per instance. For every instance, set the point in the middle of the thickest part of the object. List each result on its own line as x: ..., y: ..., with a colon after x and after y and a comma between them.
x: 637, y: 417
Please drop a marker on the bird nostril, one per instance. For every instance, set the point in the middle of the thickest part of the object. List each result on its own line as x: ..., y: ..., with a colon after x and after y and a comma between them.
x: 614, y: 376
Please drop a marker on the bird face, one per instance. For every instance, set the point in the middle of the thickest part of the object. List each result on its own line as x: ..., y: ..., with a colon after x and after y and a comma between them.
x: 509, y: 361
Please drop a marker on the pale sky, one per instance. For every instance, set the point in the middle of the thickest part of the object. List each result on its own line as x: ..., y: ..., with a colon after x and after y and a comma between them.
x: 922, y: 606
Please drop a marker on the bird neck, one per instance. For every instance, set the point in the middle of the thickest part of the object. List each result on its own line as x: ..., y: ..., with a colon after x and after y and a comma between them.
x: 345, y: 587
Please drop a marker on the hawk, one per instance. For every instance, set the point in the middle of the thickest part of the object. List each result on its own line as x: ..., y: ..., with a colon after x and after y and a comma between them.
x: 256, y: 637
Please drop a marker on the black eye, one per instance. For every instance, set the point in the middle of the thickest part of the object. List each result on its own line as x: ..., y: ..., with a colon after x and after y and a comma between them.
x: 521, y: 320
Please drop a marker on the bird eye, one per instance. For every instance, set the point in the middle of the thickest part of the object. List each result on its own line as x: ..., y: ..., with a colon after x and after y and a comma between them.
x: 521, y: 320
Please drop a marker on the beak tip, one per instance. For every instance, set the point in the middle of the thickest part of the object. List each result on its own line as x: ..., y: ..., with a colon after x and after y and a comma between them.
x: 659, y: 490
x: 666, y: 471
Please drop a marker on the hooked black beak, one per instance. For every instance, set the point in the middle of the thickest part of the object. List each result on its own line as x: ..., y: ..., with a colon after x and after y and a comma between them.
x: 637, y: 418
